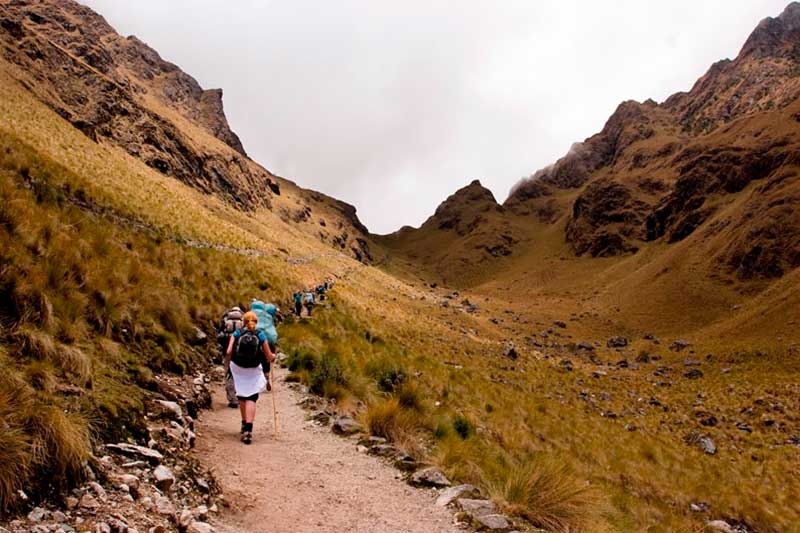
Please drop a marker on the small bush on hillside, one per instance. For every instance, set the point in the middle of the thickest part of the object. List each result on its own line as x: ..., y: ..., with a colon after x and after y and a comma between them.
x: 301, y: 360
x: 388, y: 374
x: 463, y: 427
x: 328, y: 376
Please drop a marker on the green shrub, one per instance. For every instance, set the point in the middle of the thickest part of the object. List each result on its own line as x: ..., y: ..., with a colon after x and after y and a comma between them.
x: 388, y: 374
x: 328, y: 375
x: 463, y: 427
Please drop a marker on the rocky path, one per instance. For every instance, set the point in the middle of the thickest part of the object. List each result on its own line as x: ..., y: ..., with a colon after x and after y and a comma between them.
x: 306, y: 479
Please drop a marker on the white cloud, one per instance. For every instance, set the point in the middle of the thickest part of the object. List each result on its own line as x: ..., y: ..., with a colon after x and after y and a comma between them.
x: 393, y: 106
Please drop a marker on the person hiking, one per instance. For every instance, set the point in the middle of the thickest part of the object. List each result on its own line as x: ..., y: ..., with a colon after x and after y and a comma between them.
x: 267, y: 314
x: 231, y: 321
x: 247, y: 363
x: 321, y: 292
x: 308, y: 301
x: 298, y: 303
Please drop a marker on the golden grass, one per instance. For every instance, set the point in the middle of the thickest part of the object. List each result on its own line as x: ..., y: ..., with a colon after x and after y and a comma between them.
x: 547, y: 493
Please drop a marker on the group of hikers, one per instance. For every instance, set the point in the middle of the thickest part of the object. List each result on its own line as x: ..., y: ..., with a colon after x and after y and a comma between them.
x: 248, y: 344
x: 307, y: 298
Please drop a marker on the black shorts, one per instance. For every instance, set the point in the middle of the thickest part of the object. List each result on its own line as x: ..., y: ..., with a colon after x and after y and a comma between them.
x: 251, y: 398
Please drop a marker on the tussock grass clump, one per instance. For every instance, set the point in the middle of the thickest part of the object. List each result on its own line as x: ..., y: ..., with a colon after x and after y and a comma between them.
x: 402, y: 426
x: 544, y: 491
x: 42, y: 447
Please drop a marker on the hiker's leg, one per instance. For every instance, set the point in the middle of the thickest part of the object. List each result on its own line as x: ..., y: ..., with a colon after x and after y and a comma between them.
x: 243, y: 409
x: 250, y: 411
x: 230, y: 387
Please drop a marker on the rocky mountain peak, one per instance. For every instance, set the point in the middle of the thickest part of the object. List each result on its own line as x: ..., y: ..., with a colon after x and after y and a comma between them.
x: 775, y: 36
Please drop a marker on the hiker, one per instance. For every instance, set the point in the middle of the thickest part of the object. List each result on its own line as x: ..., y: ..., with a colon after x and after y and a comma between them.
x: 247, y: 364
x: 231, y: 321
x: 266, y: 315
x: 298, y: 303
x: 321, y: 292
x: 308, y: 301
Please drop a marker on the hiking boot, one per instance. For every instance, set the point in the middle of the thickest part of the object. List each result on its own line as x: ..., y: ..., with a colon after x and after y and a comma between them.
x: 233, y: 405
x: 247, y: 437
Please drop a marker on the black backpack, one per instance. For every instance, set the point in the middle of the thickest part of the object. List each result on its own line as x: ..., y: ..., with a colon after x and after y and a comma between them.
x: 248, y: 348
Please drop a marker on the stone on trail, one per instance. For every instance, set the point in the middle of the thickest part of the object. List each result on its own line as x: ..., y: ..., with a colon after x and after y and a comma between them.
x: 185, y: 518
x: 149, y: 454
x: 164, y: 506
x: 172, y: 409
x: 38, y: 514
x: 429, y: 477
x: 89, y: 502
x: 449, y: 495
x: 99, y: 491
x: 199, y: 527
x: 475, y: 507
x: 492, y: 522
x: 346, y: 426
x: 164, y: 477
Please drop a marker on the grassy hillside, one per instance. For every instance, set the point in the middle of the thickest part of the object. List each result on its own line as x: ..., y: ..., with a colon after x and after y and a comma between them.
x: 107, y: 266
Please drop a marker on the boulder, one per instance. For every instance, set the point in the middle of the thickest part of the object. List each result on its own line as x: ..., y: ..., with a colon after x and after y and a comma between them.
x: 185, y: 518
x: 617, y: 342
x: 510, y: 351
x: 679, y: 345
x: 451, y: 494
x: 475, y: 508
x: 429, y: 477
x: 694, y: 373
x: 164, y: 506
x: 171, y: 410
x: 38, y: 514
x: 492, y: 522
x: 199, y: 527
x: 200, y: 337
x: 150, y: 455
x: 702, y: 441
x: 89, y: 502
x: 99, y: 491
x: 345, y: 425
x: 164, y: 478
x: 719, y: 525
x: 583, y: 345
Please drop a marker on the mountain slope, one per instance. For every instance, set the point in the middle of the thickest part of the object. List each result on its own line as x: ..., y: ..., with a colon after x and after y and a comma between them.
x: 118, y: 90
x: 705, y: 161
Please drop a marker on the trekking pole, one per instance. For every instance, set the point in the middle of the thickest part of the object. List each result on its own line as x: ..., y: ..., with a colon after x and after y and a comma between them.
x: 274, y: 410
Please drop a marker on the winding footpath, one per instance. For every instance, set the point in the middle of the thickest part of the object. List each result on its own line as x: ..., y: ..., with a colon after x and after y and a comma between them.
x: 306, y: 479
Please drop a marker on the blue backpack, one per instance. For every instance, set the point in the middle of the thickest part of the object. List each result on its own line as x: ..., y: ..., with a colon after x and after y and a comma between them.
x: 266, y: 319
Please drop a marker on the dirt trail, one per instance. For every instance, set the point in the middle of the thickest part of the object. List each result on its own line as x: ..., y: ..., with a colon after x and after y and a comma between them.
x: 307, y: 479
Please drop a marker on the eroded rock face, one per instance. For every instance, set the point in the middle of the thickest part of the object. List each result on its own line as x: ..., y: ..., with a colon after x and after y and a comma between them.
x: 606, y: 220
x: 116, y: 90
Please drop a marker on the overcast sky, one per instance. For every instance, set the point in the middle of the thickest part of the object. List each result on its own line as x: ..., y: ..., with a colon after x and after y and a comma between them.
x: 392, y: 106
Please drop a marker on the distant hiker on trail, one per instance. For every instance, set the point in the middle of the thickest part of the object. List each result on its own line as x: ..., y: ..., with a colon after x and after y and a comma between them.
x: 248, y: 364
x: 266, y: 314
x: 298, y: 303
x: 321, y: 292
x: 231, y: 321
x: 308, y: 301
